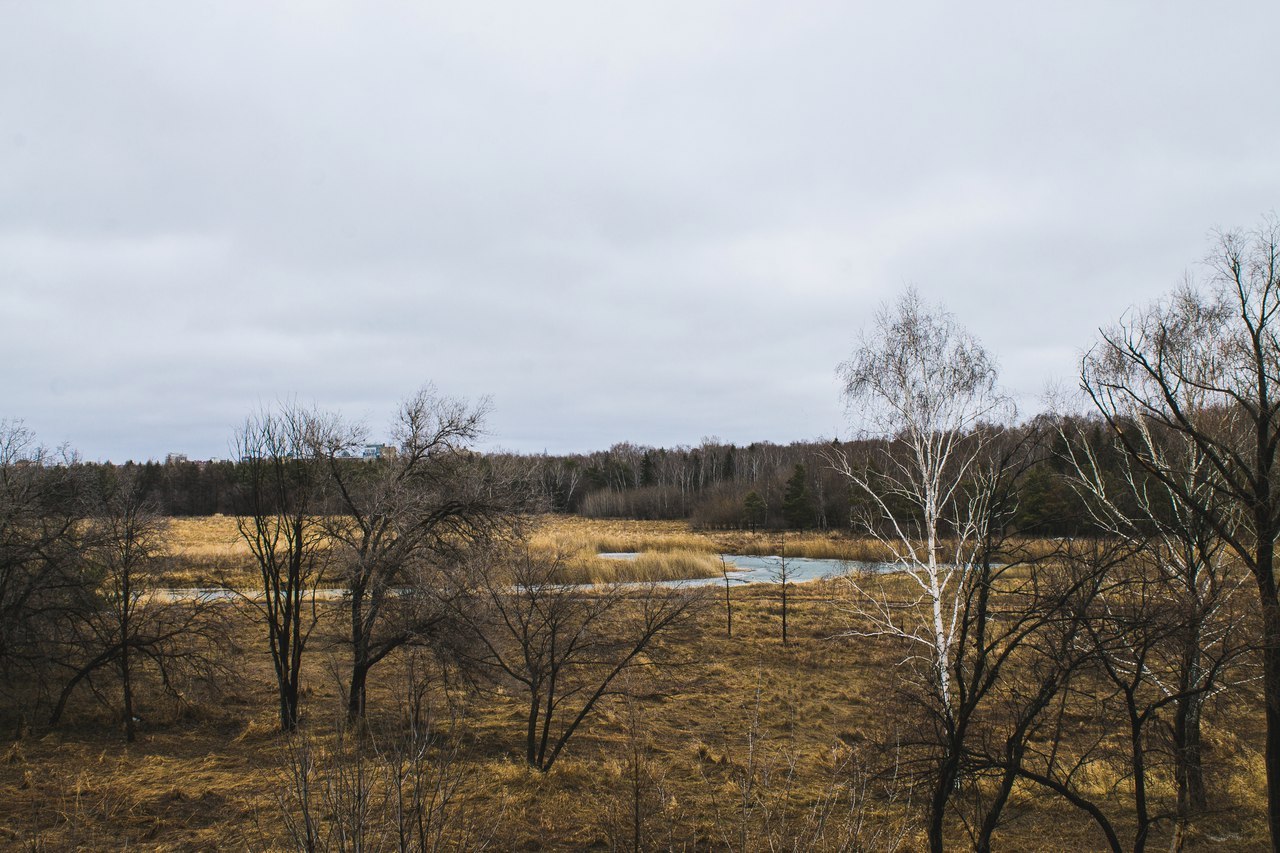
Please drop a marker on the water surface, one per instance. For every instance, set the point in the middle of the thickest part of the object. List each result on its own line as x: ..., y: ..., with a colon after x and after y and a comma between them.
x: 768, y: 569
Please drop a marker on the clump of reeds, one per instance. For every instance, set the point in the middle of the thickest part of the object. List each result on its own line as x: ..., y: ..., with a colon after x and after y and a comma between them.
x: 818, y: 546
x: 647, y: 566
x: 613, y: 539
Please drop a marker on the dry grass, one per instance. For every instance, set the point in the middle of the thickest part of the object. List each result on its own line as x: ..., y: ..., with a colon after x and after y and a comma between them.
x: 572, y: 534
x: 820, y: 712
x: 206, y: 549
x: 665, y: 550
x: 209, y: 549
x: 818, y: 546
x: 647, y: 566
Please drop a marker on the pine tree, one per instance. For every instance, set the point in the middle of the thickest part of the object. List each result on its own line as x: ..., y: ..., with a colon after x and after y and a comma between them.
x: 797, y: 505
x: 753, y: 510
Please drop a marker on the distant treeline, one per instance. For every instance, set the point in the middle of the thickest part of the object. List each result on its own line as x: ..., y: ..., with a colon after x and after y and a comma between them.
x: 712, y: 485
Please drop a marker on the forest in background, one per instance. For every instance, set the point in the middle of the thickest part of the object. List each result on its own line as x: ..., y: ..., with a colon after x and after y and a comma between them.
x: 713, y: 485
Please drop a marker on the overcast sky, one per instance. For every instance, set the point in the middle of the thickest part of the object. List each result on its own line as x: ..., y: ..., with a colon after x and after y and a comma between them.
x: 653, y: 222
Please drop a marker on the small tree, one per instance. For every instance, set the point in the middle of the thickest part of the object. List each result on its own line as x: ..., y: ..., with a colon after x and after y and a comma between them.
x: 728, y: 600
x: 281, y: 520
x: 563, y: 645
x: 42, y: 540
x: 780, y: 571
x: 125, y: 626
x: 925, y: 385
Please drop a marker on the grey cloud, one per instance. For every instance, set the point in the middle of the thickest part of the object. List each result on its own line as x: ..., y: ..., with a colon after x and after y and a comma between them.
x: 647, y: 223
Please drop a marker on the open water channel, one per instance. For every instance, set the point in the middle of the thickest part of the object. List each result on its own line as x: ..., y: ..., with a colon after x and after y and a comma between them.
x: 768, y: 569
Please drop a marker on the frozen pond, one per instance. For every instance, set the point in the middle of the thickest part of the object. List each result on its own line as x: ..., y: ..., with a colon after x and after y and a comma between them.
x: 766, y: 569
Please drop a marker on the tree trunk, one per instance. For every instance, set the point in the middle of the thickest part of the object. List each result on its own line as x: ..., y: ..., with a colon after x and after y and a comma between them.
x: 992, y: 818
x: 1264, y: 574
x: 289, y: 707
x: 359, y: 655
x: 1187, y: 756
x: 531, y: 734
x: 1271, y: 686
x: 1138, y: 753
x: 784, y: 609
x: 356, y: 694
x: 126, y: 680
x: 126, y: 684
x: 942, y: 791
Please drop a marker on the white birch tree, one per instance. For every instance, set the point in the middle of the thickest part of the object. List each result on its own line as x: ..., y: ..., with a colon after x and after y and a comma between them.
x: 923, y: 386
x: 930, y: 489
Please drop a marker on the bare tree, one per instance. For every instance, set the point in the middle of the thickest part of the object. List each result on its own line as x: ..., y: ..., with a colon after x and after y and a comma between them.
x: 125, y: 625
x: 398, y: 518
x: 992, y: 629
x: 563, y: 644
x: 728, y: 600
x: 1172, y: 625
x: 42, y: 538
x: 780, y: 572
x: 281, y: 520
x: 1221, y: 342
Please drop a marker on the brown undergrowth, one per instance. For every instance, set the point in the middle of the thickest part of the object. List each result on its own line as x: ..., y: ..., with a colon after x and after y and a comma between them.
x: 741, y: 744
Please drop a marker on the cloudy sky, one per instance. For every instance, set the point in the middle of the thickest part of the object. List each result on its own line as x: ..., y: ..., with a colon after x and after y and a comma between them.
x: 650, y: 222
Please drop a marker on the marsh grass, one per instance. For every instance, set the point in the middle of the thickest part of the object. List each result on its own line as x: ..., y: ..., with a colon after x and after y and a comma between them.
x: 822, y: 713
x: 206, y: 549
x: 812, y: 545
x: 742, y: 738
x: 572, y: 534
x: 666, y: 551
x: 209, y: 550
x: 577, y: 535
x: 647, y: 566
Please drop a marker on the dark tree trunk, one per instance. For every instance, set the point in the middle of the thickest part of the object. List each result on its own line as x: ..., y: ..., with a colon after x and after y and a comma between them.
x: 1271, y: 685
x: 983, y: 843
x: 356, y: 695
x: 289, y: 707
x: 1264, y: 574
x: 531, y: 734
x: 126, y: 680
x: 359, y: 657
x: 943, y: 788
x: 1188, y: 759
x: 126, y: 684
x: 1139, y: 759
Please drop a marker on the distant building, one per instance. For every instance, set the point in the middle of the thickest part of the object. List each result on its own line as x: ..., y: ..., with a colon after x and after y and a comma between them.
x: 378, y: 451
x: 175, y: 458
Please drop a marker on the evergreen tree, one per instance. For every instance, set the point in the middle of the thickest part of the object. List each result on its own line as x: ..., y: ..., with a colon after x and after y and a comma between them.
x: 753, y: 510
x: 797, y: 505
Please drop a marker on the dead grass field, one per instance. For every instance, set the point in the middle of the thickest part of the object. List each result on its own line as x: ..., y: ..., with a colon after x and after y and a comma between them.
x: 209, y: 550
x: 821, y: 712
x: 206, y: 549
